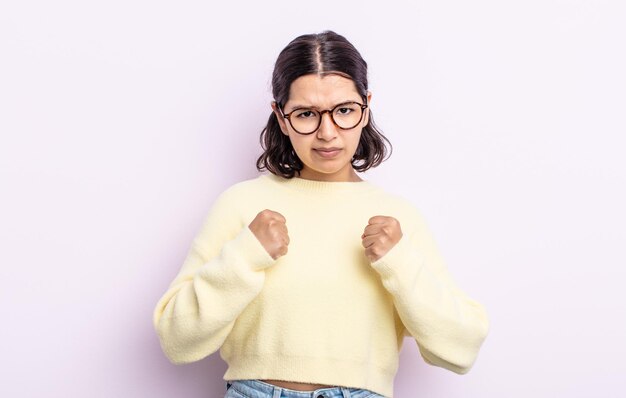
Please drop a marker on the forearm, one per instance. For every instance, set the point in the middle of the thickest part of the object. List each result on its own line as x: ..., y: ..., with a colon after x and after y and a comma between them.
x: 196, y: 314
x: 448, y: 326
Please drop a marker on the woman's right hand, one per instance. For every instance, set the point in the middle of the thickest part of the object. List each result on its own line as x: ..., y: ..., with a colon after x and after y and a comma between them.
x: 270, y: 229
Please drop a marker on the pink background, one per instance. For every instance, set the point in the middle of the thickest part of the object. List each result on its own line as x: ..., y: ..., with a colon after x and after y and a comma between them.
x: 121, y: 121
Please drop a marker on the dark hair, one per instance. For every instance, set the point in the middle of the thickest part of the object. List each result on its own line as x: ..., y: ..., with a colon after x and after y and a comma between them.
x: 323, y: 54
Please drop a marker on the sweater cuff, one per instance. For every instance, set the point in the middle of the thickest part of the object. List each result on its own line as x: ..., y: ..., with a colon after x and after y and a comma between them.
x: 400, y: 262
x: 251, y: 250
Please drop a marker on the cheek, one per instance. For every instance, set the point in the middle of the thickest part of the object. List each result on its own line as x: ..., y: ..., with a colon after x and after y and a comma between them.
x: 356, y: 141
x: 300, y: 146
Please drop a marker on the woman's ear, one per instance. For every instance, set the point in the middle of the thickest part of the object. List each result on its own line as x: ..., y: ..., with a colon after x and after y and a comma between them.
x: 366, y: 117
x: 280, y: 118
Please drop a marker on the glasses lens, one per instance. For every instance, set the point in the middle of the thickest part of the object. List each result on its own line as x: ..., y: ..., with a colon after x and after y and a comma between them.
x: 348, y: 115
x: 305, y: 120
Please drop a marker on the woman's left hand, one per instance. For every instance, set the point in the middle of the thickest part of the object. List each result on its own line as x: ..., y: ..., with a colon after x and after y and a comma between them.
x: 381, y: 234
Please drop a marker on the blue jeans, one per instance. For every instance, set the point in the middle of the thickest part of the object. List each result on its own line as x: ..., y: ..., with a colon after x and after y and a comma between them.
x: 260, y: 389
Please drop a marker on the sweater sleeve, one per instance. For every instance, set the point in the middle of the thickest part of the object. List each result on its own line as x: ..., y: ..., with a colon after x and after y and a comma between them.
x: 448, y: 326
x: 222, y: 273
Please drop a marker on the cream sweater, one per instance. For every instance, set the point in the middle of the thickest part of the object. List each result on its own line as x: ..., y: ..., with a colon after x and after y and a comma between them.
x: 322, y: 313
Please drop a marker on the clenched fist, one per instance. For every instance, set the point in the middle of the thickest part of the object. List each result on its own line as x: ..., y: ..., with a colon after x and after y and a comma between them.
x: 381, y: 234
x: 270, y: 229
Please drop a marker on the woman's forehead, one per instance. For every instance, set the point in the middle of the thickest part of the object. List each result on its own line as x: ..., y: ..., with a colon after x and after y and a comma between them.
x: 321, y: 91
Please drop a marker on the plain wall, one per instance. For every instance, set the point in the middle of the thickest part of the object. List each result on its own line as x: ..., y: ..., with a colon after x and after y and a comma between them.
x: 121, y: 121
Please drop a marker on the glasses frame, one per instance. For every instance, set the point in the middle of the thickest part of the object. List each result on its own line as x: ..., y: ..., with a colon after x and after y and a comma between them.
x: 322, y: 112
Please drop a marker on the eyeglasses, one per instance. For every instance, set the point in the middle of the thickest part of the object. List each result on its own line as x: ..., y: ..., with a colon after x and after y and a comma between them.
x: 346, y: 116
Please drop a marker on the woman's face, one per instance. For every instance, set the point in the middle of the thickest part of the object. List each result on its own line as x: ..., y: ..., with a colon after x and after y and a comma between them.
x: 322, y: 93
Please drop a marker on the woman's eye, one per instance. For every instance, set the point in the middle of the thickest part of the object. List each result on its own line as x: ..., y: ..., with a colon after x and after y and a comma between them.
x: 344, y: 111
x: 305, y: 114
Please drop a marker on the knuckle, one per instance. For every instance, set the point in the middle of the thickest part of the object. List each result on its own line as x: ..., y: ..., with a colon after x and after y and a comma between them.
x: 263, y: 215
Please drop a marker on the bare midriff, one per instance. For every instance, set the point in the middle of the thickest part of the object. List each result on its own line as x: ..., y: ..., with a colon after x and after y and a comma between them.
x: 296, y: 386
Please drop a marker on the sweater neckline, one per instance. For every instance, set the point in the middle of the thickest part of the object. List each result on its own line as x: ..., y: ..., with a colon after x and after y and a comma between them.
x: 315, y: 186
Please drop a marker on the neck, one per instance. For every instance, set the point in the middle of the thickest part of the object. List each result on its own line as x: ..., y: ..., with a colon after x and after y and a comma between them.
x: 351, y: 176
x: 309, y: 186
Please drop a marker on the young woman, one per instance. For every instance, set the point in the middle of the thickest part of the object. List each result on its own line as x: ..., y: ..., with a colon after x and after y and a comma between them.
x: 308, y: 278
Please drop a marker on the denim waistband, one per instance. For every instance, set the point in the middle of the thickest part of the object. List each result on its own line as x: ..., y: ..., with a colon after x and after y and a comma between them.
x: 260, y: 389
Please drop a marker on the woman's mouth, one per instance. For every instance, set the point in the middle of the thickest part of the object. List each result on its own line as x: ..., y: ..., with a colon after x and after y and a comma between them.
x: 327, y: 153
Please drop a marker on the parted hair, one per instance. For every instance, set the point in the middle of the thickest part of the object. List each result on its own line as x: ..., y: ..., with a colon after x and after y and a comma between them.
x: 323, y: 53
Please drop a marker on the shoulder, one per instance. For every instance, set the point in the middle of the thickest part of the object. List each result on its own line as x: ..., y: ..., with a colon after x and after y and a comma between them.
x: 405, y: 209
x: 227, y: 206
x: 243, y: 189
x: 226, y: 215
x: 396, y: 200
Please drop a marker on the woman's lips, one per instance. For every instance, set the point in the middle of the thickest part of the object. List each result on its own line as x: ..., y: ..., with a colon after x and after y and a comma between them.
x: 327, y: 153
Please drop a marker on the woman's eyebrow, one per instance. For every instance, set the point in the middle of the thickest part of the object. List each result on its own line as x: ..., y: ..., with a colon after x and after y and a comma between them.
x: 299, y: 106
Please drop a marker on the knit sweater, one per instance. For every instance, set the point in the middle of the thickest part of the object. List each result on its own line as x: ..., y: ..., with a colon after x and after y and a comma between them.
x: 323, y: 313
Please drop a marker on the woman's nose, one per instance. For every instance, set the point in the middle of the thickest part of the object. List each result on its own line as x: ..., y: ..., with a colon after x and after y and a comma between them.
x: 327, y: 129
